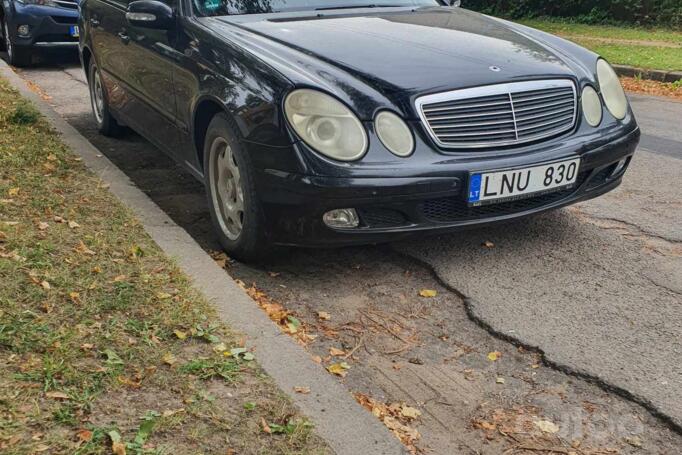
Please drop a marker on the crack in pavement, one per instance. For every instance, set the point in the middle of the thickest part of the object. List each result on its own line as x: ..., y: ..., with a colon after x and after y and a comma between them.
x: 566, y: 369
x: 641, y: 232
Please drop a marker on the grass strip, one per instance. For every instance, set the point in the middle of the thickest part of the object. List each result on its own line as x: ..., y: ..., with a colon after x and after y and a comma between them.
x: 104, y: 344
x: 655, y: 48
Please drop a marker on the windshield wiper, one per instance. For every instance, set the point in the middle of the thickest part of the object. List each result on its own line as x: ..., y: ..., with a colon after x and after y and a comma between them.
x: 371, y: 5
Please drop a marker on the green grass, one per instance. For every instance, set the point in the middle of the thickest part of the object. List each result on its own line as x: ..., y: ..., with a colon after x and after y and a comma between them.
x: 101, y: 336
x: 635, y: 46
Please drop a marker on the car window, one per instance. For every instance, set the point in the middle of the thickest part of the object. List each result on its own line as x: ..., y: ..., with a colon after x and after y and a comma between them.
x: 234, y: 7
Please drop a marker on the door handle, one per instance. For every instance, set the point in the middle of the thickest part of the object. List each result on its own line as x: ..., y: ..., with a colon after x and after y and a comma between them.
x: 125, y: 38
x: 94, y: 22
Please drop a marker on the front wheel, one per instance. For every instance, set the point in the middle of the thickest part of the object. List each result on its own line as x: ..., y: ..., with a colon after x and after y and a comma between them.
x: 106, y: 123
x: 233, y: 203
x: 17, y: 56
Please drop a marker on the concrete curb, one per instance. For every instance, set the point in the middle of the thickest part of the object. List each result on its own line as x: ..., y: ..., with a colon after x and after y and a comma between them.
x: 344, y: 424
x: 654, y: 75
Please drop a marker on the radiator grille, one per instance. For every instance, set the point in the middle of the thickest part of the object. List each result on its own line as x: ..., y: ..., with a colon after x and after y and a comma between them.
x: 71, y: 4
x: 499, y: 115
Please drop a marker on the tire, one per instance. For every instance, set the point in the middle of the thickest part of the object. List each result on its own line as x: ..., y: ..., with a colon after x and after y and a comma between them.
x: 232, y: 199
x: 106, y: 123
x: 16, y: 55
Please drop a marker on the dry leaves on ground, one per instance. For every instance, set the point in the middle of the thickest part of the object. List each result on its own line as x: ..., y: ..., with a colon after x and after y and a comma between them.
x: 280, y: 315
x: 649, y: 87
x: 396, y: 416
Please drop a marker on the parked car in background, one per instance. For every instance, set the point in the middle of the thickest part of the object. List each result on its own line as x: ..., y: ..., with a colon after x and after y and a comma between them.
x: 31, y: 24
x: 334, y: 122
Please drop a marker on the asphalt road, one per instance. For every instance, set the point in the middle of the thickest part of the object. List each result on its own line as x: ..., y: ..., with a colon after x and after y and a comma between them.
x: 597, y: 287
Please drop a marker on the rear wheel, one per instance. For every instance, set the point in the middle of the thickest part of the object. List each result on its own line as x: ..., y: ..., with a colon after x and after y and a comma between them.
x: 106, y: 123
x: 233, y: 203
x: 17, y: 55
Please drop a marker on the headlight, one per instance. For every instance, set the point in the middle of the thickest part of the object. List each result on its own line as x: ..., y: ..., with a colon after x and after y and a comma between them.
x: 326, y: 125
x: 592, y: 109
x: 394, y: 133
x: 611, y: 90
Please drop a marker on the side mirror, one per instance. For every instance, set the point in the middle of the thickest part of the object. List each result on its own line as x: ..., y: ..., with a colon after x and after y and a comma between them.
x: 150, y: 14
x: 455, y: 2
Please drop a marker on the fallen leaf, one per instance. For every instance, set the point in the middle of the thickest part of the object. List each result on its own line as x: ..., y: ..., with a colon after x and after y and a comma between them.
x: 163, y: 295
x: 484, y: 425
x: 87, y: 346
x: 293, y: 324
x: 495, y: 355
x: 323, y: 316
x: 43, y: 225
x: 180, y: 334
x: 428, y: 293
x: 75, y: 297
x: 634, y: 441
x: 13, y: 192
x: 547, y: 426
x: 74, y: 225
x: 118, y: 447
x: 410, y: 412
x: 84, y: 435
x: 52, y: 157
x: 169, y: 358
x: 119, y: 278
x: 220, y: 347
x: 57, y: 395
x: 499, y: 380
x: 488, y: 244
x: 40, y: 448
x: 45, y: 285
x: 303, y: 390
x: 264, y: 425
x: 58, y: 219
x: 172, y: 412
x: 317, y: 359
x: 339, y: 369
x: 83, y: 249
x: 133, y: 384
x: 336, y: 352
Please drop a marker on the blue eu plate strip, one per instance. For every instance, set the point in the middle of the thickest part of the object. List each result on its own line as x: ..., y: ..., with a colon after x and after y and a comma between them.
x: 475, y: 188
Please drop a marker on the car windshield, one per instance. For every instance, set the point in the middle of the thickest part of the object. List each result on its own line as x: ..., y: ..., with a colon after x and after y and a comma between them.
x: 234, y: 7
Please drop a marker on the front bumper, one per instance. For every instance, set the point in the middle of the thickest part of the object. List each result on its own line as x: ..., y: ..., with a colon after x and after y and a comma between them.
x: 48, y: 27
x: 394, y: 208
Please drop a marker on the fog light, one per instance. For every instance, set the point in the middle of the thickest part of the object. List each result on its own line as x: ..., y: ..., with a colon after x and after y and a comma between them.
x: 341, y: 218
x: 619, y: 168
x: 23, y: 30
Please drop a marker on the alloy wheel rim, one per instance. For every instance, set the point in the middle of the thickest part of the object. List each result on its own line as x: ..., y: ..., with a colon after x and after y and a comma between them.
x: 226, y: 189
x: 97, y: 97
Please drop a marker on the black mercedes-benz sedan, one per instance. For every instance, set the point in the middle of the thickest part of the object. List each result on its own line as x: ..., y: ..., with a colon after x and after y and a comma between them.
x: 333, y: 122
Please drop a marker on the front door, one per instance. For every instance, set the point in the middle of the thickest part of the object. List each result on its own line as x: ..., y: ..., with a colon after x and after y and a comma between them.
x: 149, y: 76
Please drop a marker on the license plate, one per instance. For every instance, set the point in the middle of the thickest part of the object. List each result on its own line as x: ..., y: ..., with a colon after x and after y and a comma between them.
x: 73, y: 31
x: 500, y: 186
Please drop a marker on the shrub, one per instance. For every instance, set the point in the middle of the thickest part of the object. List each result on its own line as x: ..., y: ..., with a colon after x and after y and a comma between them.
x: 641, y: 12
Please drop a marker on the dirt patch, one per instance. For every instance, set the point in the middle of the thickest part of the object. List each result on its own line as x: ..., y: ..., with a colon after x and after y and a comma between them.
x: 424, y: 352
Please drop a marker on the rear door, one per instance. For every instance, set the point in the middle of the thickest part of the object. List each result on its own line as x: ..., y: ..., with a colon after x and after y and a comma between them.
x: 137, y: 66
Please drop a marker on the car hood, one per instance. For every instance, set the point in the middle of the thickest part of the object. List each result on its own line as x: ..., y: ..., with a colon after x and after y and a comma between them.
x: 404, y: 53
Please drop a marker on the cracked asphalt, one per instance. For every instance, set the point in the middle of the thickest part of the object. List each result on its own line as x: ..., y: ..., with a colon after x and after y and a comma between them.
x: 596, y: 288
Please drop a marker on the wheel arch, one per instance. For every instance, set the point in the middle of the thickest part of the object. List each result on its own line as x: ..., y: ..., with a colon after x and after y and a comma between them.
x: 205, y: 109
